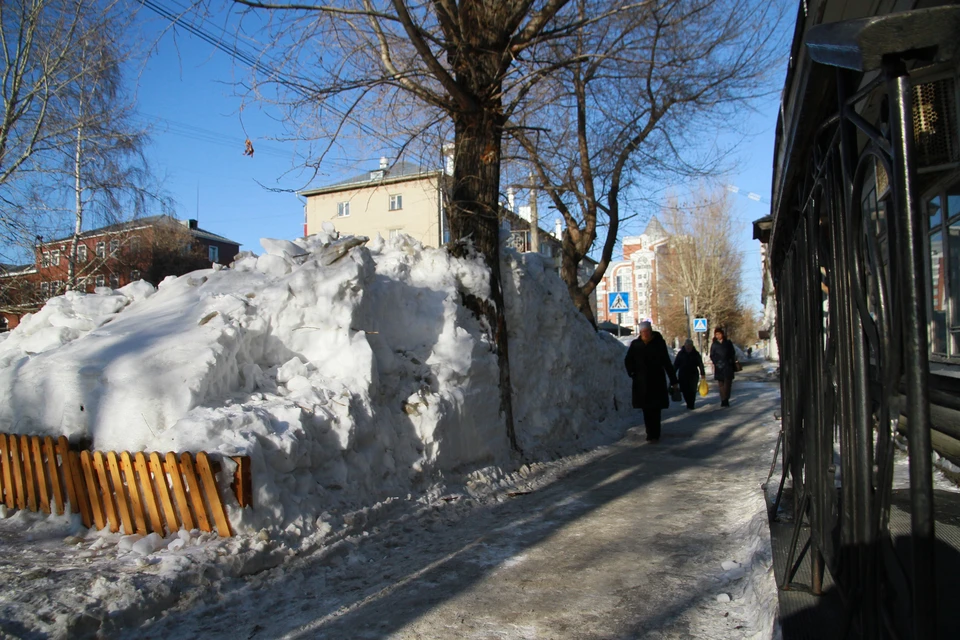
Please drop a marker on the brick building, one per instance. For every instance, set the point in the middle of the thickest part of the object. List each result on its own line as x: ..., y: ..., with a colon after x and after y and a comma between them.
x: 638, y: 275
x: 113, y: 256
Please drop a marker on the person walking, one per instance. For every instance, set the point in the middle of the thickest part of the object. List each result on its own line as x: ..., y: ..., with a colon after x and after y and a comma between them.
x: 648, y: 363
x: 724, y: 360
x: 689, y: 366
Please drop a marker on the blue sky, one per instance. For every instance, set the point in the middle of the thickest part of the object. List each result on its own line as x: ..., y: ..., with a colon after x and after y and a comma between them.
x: 199, y: 122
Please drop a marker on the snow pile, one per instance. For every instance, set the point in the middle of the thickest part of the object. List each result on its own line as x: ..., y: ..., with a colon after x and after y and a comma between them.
x: 347, y: 372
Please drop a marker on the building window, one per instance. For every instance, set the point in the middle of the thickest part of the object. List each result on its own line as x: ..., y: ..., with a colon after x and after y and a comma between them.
x: 114, y: 246
x: 214, y: 253
x: 101, y: 281
x: 114, y: 281
x: 396, y: 202
x: 394, y: 233
x: 101, y: 249
x: 943, y: 215
x: 55, y: 287
x: 82, y: 253
x: 134, y: 275
x: 45, y: 259
x: 134, y: 245
x: 44, y: 289
x: 343, y: 209
x: 55, y: 257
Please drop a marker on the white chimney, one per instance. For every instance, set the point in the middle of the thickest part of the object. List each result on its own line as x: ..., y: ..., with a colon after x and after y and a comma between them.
x: 383, y: 162
x: 511, y: 200
x: 558, y: 230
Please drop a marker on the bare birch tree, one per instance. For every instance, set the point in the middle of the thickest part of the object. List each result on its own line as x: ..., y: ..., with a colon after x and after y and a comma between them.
x: 69, y: 148
x: 702, y: 263
x: 632, y: 104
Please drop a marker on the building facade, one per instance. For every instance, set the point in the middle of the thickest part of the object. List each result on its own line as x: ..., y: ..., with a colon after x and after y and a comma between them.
x: 637, y: 275
x: 146, y: 249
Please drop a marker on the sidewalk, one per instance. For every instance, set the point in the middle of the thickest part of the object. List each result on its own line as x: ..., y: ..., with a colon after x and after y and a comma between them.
x: 665, y: 540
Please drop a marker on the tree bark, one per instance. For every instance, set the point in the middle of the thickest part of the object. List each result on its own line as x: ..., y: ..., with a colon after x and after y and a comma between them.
x: 474, y: 205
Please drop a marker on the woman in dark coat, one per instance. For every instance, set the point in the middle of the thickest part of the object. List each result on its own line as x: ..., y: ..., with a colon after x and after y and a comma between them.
x: 724, y: 359
x: 648, y: 363
x: 689, y: 366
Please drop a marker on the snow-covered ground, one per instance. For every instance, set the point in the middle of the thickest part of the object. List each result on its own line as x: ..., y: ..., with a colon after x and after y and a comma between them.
x: 351, y: 373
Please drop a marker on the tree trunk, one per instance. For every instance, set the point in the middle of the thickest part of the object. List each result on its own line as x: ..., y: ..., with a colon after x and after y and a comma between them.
x: 569, y: 272
x: 473, y: 215
x: 78, y: 214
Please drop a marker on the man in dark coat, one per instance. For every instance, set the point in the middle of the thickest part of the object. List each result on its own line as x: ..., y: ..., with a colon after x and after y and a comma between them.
x: 724, y: 359
x: 689, y: 366
x: 648, y: 363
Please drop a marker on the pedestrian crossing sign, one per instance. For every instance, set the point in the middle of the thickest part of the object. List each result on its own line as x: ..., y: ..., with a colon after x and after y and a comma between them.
x: 700, y: 325
x: 618, y: 302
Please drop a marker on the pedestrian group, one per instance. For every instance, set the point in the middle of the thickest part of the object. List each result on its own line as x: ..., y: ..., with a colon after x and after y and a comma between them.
x: 648, y: 365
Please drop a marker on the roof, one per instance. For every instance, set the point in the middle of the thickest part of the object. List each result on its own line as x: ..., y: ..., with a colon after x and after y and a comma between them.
x: 150, y: 221
x: 16, y: 269
x: 399, y: 172
x: 655, y: 229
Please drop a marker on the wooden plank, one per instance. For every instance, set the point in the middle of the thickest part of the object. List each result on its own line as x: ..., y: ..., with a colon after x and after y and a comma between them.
x: 93, y: 491
x: 176, y: 478
x: 136, y: 506
x: 18, y: 472
x: 242, y: 481
x: 193, y: 486
x: 63, y: 450
x: 120, y: 490
x: 41, y: 474
x: 213, y: 495
x: 56, y: 482
x: 163, y: 491
x: 8, y: 490
x: 149, y: 493
x: 83, y: 503
x: 29, y: 479
x: 109, y: 508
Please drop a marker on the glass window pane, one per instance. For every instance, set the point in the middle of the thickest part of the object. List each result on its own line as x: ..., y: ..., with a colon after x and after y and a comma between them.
x: 938, y: 295
x: 933, y: 212
x: 953, y: 200
x: 953, y: 283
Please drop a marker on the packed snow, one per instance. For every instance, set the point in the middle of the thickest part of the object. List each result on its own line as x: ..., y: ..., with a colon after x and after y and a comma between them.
x: 350, y: 371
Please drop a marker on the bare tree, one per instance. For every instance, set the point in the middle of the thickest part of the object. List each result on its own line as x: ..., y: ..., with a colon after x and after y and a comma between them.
x: 632, y: 103
x: 701, y: 263
x: 69, y: 149
x: 471, y: 63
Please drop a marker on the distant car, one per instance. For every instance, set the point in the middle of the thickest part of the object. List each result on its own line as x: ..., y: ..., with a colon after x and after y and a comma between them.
x: 617, y: 330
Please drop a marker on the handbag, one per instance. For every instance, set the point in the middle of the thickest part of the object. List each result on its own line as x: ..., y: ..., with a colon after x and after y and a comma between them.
x: 704, y: 388
x: 737, y: 366
x: 676, y: 395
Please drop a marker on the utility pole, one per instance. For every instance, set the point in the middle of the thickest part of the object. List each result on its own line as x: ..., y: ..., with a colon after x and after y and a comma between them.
x: 534, y: 218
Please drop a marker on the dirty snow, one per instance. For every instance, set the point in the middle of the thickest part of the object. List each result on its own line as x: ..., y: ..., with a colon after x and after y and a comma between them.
x: 349, y: 371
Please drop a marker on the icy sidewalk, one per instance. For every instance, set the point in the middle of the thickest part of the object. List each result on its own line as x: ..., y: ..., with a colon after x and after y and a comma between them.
x: 632, y: 541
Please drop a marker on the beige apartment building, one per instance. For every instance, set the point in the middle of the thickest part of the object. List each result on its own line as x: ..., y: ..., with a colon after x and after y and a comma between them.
x: 388, y: 200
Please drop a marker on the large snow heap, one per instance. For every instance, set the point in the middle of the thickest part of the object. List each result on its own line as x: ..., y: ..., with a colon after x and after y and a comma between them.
x: 347, y: 372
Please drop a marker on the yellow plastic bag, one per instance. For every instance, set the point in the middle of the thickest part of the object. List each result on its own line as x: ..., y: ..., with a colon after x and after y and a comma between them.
x: 703, y: 389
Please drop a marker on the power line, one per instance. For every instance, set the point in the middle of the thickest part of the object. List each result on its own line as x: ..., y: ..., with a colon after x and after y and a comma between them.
x: 176, y: 20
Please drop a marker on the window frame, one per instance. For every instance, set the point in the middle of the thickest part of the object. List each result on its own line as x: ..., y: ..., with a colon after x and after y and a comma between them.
x: 213, y: 253
x: 101, y: 281
x: 44, y: 259
x: 82, y: 253
x: 101, y: 249
x: 395, y: 202
x: 343, y: 209
x: 951, y: 293
x: 55, y: 257
x: 114, y: 281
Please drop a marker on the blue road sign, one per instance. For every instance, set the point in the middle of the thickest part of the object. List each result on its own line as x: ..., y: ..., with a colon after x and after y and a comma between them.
x: 700, y: 325
x: 618, y: 302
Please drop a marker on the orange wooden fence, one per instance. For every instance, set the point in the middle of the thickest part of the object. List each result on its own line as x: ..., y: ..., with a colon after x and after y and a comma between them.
x: 144, y: 492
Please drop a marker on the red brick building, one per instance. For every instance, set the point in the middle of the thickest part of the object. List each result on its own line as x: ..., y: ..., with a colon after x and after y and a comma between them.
x: 146, y: 249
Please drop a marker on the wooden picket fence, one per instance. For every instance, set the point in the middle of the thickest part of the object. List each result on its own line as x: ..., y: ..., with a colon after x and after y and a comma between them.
x: 143, y: 492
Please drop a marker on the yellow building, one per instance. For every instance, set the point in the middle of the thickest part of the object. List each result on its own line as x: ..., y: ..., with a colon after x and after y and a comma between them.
x: 387, y: 200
